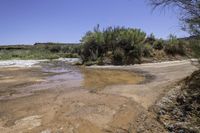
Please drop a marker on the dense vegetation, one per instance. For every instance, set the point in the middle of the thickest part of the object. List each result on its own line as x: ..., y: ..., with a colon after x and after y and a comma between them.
x: 113, y: 45
x: 121, y: 45
x: 39, y: 51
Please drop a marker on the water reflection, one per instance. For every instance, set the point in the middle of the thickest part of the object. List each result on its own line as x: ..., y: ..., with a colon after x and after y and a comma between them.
x: 100, y: 78
x: 59, y: 74
x: 88, y: 78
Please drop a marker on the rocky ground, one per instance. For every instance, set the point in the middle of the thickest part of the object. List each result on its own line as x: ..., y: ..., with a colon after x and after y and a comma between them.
x: 67, y: 107
x: 179, y: 109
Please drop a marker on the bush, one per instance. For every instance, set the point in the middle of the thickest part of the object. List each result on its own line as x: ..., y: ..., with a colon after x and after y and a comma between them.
x: 195, y: 46
x: 118, y: 57
x: 100, y: 61
x: 124, y: 43
x: 66, y: 49
x: 134, y: 55
x: 175, y: 49
x: 92, y: 45
x: 150, y: 39
x: 45, y: 51
x: 55, y: 48
x: 158, y: 44
x: 175, y: 46
x: 147, y: 50
x: 90, y: 63
x: 69, y: 55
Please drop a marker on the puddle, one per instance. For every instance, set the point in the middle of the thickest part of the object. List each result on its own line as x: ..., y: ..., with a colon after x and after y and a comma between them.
x: 100, y: 78
x: 89, y: 78
x: 59, y: 72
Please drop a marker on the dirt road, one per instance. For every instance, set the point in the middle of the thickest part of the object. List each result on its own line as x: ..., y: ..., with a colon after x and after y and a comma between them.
x: 66, y: 107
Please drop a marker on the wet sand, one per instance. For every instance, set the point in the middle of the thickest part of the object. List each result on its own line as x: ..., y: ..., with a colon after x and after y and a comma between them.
x: 44, y: 102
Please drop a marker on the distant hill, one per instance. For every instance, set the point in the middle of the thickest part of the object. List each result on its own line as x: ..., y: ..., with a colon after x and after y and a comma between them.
x: 24, y: 46
x: 52, y: 43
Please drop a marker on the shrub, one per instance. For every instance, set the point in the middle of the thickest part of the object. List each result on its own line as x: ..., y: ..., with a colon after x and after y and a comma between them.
x: 119, y: 40
x: 195, y: 46
x: 147, y: 50
x: 92, y: 45
x: 90, y: 63
x: 40, y: 51
x: 150, y: 39
x: 69, y: 55
x: 66, y: 49
x: 134, y: 55
x: 55, y: 48
x: 158, y: 44
x: 118, y: 56
x: 175, y: 46
x: 100, y: 61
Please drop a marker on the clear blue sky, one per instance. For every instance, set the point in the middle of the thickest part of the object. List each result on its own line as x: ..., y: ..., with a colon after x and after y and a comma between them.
x: 30, y: 21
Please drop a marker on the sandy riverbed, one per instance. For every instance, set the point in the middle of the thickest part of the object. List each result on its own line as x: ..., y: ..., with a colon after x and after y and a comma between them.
x: 40, y: 104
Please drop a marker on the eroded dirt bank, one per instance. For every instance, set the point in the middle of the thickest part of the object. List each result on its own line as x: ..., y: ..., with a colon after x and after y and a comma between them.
x: 46, y: 105
x: 179, y: 109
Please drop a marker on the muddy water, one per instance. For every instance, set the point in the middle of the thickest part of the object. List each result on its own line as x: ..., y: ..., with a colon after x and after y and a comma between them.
x: 98, y: 79
x: 55, y: 98
x: 58, y: 73
x: 88, y: 78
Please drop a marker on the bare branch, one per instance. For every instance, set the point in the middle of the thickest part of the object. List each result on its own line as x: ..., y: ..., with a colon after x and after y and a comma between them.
x: 190, y: 11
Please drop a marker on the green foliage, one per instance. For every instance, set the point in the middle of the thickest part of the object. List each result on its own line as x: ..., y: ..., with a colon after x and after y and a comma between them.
x: 147, y: 50
x: 195, y: 46
x: 119, y: 40
x: 93, y: 45
x: 174, y: 46
x: 150, y: 39
x: 126, y: 45
x: 55, y: 48
x: 39, y: 51
x: 26, y: 54
x: 158, y: 44
x: 118, y: 56
x: 134, y: 54
x: 113, y: 45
